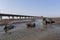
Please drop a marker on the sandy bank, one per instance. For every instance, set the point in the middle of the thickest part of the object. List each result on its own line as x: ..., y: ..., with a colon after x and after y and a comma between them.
x: 22, y: 33
x: 31, y: 34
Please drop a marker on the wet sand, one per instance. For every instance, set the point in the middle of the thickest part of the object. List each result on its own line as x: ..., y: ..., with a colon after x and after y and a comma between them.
x: 22, y: 33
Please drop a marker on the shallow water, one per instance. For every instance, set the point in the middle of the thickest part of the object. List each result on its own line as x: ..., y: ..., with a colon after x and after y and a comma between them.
x: 23, y: 25
x: 20, y: 32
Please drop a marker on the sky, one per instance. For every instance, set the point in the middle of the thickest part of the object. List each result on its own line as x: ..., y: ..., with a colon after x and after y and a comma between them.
x: 48, y: 8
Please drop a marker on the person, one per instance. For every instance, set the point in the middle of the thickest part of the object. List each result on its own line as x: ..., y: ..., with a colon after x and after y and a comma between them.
x: 44, y: 22
x: 30, y: 25
x: 8, y: 27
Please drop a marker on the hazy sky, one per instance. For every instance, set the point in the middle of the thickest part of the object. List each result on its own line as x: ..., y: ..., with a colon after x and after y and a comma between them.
x: 31, y: 7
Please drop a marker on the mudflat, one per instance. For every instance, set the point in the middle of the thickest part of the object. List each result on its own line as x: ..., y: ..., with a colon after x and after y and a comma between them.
x: 23, y: 33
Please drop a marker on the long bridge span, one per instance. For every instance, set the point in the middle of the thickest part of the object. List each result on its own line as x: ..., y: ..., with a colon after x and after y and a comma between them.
x: 11, y: 17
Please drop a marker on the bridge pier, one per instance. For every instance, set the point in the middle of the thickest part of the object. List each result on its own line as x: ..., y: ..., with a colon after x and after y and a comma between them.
x: 19, y: 17
x: 0, y: 17
x: 31, y: 17
x: 25, y: 17
x: 9, y: 17
x: 12, y: 17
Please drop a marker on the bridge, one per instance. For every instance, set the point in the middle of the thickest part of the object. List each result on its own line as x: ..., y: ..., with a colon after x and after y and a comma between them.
x: 19, y: 17
x: 11, y: 17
